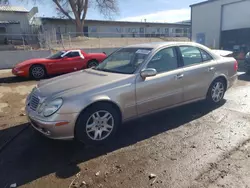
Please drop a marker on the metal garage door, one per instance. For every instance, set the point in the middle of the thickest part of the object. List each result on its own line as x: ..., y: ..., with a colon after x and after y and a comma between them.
x: 236, y: 15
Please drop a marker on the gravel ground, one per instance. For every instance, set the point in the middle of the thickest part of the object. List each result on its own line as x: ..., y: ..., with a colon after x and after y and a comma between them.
x: 191, y: 146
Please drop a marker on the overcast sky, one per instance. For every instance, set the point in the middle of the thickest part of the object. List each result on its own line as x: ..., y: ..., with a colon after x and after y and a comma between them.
x: 133, y: 10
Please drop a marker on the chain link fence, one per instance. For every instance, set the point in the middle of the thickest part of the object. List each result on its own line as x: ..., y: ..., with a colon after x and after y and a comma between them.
x: 58, y: 41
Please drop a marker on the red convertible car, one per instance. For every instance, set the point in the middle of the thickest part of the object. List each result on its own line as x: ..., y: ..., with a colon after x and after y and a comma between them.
x: 61, y: 62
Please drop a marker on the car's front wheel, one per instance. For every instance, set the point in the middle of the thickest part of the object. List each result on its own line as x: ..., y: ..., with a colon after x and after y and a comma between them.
x: 37, y: 72
x: 216, y: 91
x: 97, y: 124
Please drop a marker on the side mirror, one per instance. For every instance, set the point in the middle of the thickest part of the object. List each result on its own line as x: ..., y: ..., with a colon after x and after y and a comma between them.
x: 149, y: 72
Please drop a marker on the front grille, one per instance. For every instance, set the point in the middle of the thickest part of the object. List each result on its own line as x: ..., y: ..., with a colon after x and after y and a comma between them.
x: 34, y: 101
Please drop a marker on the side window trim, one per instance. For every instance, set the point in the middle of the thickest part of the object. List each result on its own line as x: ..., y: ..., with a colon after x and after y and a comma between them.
x: 180, y: 59
x: 202, y: 60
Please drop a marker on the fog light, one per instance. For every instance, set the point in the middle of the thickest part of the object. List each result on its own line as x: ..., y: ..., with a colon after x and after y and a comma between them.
x: 47, y: 132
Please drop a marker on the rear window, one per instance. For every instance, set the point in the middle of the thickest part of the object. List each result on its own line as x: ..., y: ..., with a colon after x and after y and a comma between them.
x: 205, y: 56
x: 191, y: 55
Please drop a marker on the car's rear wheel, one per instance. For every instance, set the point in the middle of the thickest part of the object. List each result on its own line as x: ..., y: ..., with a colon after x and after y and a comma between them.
x: 92, y: 63
x: 216, y: 91
x: 37, y: 71
x: 97, y: 124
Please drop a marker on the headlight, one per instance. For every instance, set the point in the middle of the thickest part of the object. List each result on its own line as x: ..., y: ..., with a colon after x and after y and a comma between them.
x: 51, y: 107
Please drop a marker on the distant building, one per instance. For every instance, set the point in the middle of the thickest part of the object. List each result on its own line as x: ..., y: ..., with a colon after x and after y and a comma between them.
x: 14, y: 21
x: 100, y: 28
x: 222, y: 24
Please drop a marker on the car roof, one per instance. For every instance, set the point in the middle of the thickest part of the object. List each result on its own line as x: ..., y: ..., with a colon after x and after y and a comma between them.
x: 161, y: 44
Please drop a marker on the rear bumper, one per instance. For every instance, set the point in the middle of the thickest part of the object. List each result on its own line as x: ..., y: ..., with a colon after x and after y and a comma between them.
x: 231, y: 81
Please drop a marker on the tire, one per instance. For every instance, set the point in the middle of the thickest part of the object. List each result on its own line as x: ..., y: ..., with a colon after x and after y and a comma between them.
x: 37, y: 72
x: 92, y: 63
x: 216, y: 91
x: 97, y: 132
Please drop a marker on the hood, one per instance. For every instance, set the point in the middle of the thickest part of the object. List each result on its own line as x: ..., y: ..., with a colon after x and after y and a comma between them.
x: 84, y: 80
x: 31, y: 61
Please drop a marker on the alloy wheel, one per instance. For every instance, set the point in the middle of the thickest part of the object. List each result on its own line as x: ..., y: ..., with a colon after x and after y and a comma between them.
x: 37, y: 72
x: 99, y: 125
x: 92, y: 64
x: 217, y: 91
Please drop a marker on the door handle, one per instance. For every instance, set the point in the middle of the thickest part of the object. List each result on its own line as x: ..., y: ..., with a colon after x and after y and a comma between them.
x: 210, y: 69
x: 179, y: 76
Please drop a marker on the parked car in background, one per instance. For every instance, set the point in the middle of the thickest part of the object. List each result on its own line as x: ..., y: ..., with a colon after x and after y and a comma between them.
x: 247, y: 62
x: 132, y: 82
x: 61, y: 62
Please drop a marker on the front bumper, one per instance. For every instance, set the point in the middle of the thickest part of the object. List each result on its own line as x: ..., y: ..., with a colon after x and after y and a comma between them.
x: 57, y: 126
x: 18, y: 72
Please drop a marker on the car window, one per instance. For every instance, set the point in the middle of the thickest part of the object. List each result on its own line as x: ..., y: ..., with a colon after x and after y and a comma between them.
x: 57, y: 55
x: 125, y: 60
x: 205, y: 56
x: 72, y: 54
x: 164, y: 60
x: 191, y: 55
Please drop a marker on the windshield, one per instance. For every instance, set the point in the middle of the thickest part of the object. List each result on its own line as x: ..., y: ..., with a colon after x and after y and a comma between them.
x: 125, y: 60
x: 56, y: 55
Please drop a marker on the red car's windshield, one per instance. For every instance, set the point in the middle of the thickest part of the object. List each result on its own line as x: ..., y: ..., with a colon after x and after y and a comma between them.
x: 57, y: 55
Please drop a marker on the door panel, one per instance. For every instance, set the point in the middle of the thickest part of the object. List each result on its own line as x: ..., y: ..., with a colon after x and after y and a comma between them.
x: 196, y: 80
x: 69, y: 63
x: 163, y: 90
x: 55, y: 66
x: 160, y: 91
x: 198, y: 72
x: 73, y: 64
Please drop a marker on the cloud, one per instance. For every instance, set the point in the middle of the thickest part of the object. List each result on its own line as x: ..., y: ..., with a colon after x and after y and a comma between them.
x: 162, y: 16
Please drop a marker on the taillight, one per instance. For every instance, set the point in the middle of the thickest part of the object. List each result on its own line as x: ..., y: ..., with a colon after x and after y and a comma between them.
x: 236, y: 65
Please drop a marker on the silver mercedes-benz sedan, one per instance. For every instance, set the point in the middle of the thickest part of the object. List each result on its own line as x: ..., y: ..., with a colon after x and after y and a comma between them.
x: 132, y: 82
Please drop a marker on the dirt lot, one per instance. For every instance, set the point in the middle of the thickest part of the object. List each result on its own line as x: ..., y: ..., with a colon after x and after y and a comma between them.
x: 191, y: 146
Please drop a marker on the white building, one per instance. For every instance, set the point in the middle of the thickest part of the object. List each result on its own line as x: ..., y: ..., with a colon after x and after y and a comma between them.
x: 101, y: 28
x: 222, y: 24
x: 14, y: 21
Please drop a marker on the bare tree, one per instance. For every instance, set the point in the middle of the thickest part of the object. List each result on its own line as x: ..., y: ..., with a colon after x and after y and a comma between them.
x: 76, y: 10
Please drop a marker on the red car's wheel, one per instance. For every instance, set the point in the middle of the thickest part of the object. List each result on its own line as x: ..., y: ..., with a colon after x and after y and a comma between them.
x: 92, y: 63
x: 37, y: 71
